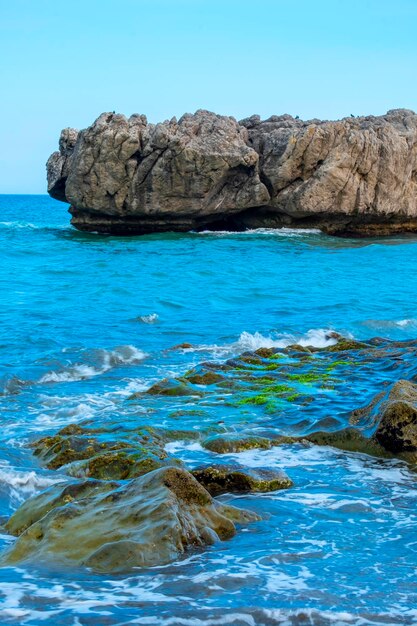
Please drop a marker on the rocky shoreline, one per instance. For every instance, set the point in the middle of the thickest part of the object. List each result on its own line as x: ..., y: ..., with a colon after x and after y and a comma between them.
x: 353, y: 177
x: 130, y: 503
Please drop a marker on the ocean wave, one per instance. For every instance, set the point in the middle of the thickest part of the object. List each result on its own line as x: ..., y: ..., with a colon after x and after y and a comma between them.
x: 148, y: 319
x: 23, y: 484
x: 315, y: 337
x: 276, y: 232
x: 400, y: 324
x: 105, y: 360
x: 17, y: 225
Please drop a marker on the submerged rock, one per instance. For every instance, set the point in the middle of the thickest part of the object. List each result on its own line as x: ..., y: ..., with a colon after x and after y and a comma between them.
x: 395, y: 414
x: 218, y: 479
x: 149, y: 521
x: 355, y: 176
x: 229, y: 443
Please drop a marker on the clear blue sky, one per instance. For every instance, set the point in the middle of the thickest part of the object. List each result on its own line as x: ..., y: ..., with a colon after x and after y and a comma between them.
x: 64, y: 62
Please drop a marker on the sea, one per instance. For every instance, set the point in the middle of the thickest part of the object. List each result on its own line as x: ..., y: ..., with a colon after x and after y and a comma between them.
x: 87, y: 320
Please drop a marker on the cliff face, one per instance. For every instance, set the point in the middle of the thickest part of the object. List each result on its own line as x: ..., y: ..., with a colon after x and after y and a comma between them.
x: 357, y: 176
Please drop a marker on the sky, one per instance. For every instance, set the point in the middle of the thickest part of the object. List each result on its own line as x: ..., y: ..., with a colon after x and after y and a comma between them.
x: 62, y: 63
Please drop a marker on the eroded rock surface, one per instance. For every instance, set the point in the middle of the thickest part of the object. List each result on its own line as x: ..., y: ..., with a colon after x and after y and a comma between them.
x: 148, y: 521
x: 356, y: 176
x: 219, y: 479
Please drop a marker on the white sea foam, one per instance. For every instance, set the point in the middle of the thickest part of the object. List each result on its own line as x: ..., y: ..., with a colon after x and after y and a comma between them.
x: 275, y: 232
x: 405, y: 324
x: 316, y: 337
x: 152, y: 318
x: 105, y: 361
x: 23, y: 484
x: 16, y: 225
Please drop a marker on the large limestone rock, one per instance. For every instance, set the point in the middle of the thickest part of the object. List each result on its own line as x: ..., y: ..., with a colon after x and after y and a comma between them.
x: 356, y: 176
x: 149, y: 521
x: 126, y: 176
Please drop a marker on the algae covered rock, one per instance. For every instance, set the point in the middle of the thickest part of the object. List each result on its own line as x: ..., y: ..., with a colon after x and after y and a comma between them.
x: 218, y: 479
x: 229, y: 443
x: 204, y: 376
x: 34, y: 509
x: 121, y: 464
x: 348, y: 439
x: 87, y: 452
x: 148, y: 521
x: 397, y: 430
x: 168, y: 387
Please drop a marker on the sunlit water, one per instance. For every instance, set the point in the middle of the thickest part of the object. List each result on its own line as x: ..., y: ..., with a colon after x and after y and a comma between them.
x: 87, y: 320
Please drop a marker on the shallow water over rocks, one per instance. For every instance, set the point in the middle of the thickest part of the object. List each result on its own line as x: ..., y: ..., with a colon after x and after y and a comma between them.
x: 88, y: 322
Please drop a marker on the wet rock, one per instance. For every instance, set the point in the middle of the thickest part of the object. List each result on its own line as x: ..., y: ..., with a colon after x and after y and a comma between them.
x: 267, y: 353
x: 121, y: 464
x: 168, y: 387
x: 84, y: 451
x: 347, y: 344
x: 202, y: 376
x: 229, y: 443
x: 149, y: 521
x: 354, y: 177
x: 397, y: 430
x: 55, y: 497
x: 218, y: 479
x: 59, y: 450
x: 347, y: 439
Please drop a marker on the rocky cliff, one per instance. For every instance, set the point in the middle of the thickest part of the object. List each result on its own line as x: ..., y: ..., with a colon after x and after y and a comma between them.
x: 356, y: 176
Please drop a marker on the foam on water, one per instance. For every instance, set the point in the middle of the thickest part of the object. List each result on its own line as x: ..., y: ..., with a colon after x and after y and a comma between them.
x: 316, y: 338
x: 106, y: 360
x: 275, y: 232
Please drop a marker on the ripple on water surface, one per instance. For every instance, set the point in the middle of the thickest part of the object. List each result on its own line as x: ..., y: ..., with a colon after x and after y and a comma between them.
x: 90, y: 320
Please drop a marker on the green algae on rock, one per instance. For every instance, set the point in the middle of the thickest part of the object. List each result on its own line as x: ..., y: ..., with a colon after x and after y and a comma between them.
x: 229, y: 443
x: 397, y: 430
x: 90, y: 454
x: 219, y: 479
x: 146, y: 522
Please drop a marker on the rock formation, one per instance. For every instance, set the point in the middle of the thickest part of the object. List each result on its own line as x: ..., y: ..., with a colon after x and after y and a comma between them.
x: 356, y: 176
x: 148, y: 521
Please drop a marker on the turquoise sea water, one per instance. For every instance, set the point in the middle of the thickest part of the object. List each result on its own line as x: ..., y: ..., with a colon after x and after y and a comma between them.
x: 86, y: 320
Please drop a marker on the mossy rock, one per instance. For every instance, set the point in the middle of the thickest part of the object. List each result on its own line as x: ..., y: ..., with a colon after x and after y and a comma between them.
x: 56, y: 496
x: 59, y: 450
x: 121, y: 465
x: 169, y: 387
x: 230, y: 443
x: 219, y: 479
x: 266, y: 353
x: 344, y: 345
x: 397, y: 429
x: 83, y: 454
x: 295, y: 347
x: 200, y: 376
x: 347, y: 439
x: 148, y: 521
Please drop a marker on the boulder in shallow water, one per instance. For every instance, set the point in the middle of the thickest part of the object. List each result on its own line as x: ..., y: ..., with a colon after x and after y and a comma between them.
x: 148, y: 521
x: 218, y: 479
x: 229, y: 443
x: 397, y: 430
x: 87, y: 452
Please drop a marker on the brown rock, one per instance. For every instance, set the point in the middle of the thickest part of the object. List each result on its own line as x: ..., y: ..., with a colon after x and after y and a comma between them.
x: 356, y: 176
